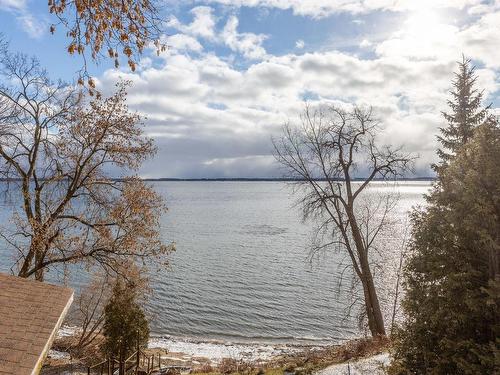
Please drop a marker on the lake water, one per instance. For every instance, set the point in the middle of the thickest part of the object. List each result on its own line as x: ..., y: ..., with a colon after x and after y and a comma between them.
x: 241, y: 271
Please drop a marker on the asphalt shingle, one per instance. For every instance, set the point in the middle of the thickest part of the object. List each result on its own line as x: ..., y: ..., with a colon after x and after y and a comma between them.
x: 30, y: 314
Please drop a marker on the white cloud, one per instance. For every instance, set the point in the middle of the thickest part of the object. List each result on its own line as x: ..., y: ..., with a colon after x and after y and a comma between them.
x: 426, y: 36
x: 482, y: 39
x: 234, y: 137
x: 300, y: 44
x: 211, y: 118
x: 203, y: 24
x: 12, y: 5
x: 35, y: 27
x: 422, y: 36
x: 182, y: 42
x: 248, y: 44
x: 32, y: 25
x: 365, y: 43
x: 486, y: 7
x: 322, y: 8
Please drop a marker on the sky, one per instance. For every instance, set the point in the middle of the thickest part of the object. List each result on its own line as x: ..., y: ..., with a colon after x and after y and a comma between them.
x: 237, y: 70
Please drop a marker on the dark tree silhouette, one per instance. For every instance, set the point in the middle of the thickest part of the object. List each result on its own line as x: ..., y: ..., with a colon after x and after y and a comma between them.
x: 324, y: 154
x: 452, y: 278
x: 452, y: 274
x: 125, y: 324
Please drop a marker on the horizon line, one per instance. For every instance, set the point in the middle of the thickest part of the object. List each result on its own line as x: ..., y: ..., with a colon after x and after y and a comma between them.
x: 277, y: 179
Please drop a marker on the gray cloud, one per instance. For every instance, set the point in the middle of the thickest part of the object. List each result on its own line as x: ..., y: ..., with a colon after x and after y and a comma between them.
x: 211, y: 119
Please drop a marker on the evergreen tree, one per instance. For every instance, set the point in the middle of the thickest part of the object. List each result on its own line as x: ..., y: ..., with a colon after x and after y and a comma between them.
x: 466, y: 112
x: 452, y: 278
x: 125, y: 325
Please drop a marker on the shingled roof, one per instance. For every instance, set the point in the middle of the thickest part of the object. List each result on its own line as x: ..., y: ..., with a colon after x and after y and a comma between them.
x: 30, y: 315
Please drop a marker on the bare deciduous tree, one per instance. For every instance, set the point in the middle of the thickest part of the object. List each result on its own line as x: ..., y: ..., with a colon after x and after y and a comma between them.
x: 57, y: 151
x: 399, y: 274
x: 88, y: 312
x: 324, y: 154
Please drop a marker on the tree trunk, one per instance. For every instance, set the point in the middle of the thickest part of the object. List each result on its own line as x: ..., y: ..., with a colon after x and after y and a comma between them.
x: 494, y: 260
x: 372, y: 305
x: 23, y: 272
x: 39, y: 273
x: 34, y: 257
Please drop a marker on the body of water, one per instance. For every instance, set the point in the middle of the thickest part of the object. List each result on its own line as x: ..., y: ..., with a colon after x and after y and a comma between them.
x: 241, y: 271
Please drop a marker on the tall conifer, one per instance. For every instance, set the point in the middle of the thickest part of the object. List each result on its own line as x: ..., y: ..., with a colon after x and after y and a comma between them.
x: 452, y: 278
x: 465, y: 115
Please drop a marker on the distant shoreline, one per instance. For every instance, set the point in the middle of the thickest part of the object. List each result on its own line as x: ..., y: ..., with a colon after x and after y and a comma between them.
x: 242, y: 179
x: 249, y: 179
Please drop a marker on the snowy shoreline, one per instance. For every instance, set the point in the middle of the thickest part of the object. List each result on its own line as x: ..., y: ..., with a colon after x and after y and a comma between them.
x: 216, y: 350
x: 356, y: 356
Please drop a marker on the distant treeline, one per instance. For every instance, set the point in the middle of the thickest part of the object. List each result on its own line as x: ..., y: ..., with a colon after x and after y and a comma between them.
x: 276, y: 179
x: 256, y: 179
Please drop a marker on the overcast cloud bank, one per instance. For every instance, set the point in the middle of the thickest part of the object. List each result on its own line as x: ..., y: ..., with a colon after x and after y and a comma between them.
x: 213, y: 113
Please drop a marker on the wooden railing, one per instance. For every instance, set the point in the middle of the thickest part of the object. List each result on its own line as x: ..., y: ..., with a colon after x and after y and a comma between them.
x: 138, y: 362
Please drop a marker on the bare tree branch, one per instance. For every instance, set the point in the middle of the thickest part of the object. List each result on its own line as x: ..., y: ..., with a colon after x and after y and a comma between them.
x: 56, y: 149
x: 324, y: 154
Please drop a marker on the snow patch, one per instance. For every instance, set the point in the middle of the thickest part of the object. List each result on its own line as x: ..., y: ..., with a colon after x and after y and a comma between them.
x: 56, y: 354
x: 216, y: 351
x: 371, y: 365
x: 67, y: 331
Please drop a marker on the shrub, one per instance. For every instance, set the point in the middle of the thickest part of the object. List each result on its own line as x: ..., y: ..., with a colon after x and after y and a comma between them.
x: 125, y: 324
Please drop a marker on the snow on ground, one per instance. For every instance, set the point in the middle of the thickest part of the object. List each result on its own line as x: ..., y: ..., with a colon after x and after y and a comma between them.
x: 67, y: 331
x: 56, y: 354
x: 215, y: 351
x: 371, y: 365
